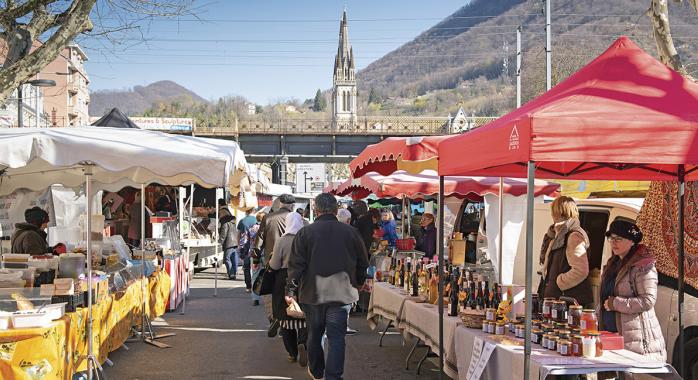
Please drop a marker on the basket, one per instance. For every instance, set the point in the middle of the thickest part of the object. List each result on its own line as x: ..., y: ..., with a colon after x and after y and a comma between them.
x: 473, y: 321
x: 405, y: 244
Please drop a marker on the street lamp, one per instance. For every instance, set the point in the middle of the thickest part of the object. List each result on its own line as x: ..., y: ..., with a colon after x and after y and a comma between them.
x: 20, y: 104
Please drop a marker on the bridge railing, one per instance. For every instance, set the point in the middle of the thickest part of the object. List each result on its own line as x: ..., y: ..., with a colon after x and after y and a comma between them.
x: 370, y: 125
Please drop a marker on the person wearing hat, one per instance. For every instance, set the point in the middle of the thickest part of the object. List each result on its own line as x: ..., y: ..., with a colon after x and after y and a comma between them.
x: 272, y: 227
x: 629, y: 292
x: 29, y: 237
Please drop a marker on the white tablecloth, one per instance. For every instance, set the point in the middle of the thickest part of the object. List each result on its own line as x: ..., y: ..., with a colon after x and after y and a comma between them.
x: 387, y: 302
x: 422, y: 321
x: 507, y: 361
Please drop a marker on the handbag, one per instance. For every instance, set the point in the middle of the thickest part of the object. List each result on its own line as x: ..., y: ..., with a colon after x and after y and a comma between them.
x: 264, y: 284
x: 294, y: 310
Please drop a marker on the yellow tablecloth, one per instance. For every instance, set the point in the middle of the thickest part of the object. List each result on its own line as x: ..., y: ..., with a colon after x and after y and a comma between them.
x: 60, y: 350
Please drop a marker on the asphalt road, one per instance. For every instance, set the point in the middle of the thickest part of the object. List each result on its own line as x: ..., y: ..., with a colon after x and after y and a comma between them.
x: 225, y: 337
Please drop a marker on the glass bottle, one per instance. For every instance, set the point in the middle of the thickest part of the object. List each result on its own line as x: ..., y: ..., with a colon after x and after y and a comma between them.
x: 588, y: 323
x: 453, y: 298
x: 486, y: 293
x: 408, y: 276
x: 496, y: 297
x: 415, y: 282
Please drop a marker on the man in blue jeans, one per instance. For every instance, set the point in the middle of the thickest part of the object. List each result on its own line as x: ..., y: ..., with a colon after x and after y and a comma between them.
x: 327, y: 266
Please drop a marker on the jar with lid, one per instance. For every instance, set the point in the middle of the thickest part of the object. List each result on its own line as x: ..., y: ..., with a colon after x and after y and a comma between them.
x: 563, y: 334
x: 574, y: 315
x: 576, y: 345
x: 588, y: 323
x: 561, y: 325
x: 576, y: 331
x: 548, y: 307
x: 599, y: 344
x: 547, y: 328
x: 564, y: 347
x: 536, y: 323
x: 485, y: 326
x: 559, y: 312
x: 535, y: 305
x: 491, y: 314
x: 552, y: 343
x: 500, y: 328
x: 492, y: 327
x: 519, y: 330
x: 544, y: 340
x: 536, y: 336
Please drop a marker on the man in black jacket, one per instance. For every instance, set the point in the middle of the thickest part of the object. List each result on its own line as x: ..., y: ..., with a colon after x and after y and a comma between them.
x: 327, y: 266
x: 363, y: 222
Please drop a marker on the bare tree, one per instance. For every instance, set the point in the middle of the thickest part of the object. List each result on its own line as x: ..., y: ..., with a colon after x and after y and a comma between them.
x: 54, y: 24
x: 659, y: 17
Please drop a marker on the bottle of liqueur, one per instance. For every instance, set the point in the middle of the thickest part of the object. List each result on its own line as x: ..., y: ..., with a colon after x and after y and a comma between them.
x: 401, y: 275
x: 480, y: 300
x: 423, y: 281
x: 453, y: 298
x: 496, y: 296
x: 396, y: 276
x: 408, y: 277
x: 415, y: 282
x: 486, y: 294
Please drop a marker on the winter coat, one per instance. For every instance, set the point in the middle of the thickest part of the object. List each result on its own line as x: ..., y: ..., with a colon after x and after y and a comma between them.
x: 389, y: 232
x: 634, y: 297
x: 566, y: 264
x: 426, y: 242
x: 227, y: 233
x: 28, y: 238
x: 328, y: 262
x: 365, y: 225
x: 272, y: 227
x: 279, y: 263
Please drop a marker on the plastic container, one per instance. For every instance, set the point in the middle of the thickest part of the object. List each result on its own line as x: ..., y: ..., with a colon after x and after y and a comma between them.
x: 589, y: 347
x: 55, y: 311
x: 5, y: 321
x: 24, y: 320
x: 71, y: 265
x: 612, y: 341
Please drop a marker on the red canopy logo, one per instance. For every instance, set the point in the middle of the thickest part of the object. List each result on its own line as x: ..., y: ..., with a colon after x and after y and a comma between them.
x: 514, y: 139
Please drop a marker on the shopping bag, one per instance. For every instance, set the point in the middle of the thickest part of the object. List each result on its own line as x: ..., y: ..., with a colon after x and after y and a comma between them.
x: 264, y: 284
x: 294, y: 310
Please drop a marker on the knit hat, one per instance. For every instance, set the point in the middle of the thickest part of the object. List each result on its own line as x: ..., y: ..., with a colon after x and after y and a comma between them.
x: 36, y: 216
x: 287, y: 199
x: 626, y: 230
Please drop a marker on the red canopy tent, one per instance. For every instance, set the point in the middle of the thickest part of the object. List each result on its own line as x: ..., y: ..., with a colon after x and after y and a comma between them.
x: 412, y: 154
x: 402, y: 184
x: 623, y: 116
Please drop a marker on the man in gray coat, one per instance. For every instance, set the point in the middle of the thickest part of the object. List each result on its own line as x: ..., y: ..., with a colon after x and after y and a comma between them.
x: 326, y: 268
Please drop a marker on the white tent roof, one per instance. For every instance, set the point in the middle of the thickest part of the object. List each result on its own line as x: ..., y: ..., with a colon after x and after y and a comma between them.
x: 37, y: 158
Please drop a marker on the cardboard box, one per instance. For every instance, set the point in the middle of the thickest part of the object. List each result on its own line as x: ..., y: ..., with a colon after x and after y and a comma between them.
x: 456, y: 251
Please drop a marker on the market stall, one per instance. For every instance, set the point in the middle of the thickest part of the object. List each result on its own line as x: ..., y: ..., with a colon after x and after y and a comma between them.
x: 108, y: 159
x: 623, y: 116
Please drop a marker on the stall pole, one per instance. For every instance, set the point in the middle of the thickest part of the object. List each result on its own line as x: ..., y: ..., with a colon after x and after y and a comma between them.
x: 440, y: 239
x: 93, y: 366
x: 500, y: 238
x: 529, y: 268
x: 215, y: 233
x: 680, y: 248
x: 143, y: 312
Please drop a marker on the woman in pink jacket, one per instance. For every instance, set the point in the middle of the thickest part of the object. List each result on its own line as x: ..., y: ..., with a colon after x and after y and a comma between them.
x: 629, y: 292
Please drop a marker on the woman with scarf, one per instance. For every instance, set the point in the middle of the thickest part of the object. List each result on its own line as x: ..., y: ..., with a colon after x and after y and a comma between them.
x: 564, y: 257
x: 629, y: 292
x: 293, y: 331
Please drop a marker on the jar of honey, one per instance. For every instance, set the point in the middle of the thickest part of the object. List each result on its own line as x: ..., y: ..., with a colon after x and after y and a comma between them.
x: 588, y: 323
x: 559, y: 312
x: 599, y: 344
x: 544, y: 340
x: 552, y: 343
x: 564, y: 347
x: 574, y: 315
x: 576, y: 345
x: 500, y: 329
x: 548, y: 307
x: 536, y: 336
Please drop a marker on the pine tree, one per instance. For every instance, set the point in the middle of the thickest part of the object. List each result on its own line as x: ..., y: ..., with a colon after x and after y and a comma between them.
x: 373, y: 97
x: 319, y: 104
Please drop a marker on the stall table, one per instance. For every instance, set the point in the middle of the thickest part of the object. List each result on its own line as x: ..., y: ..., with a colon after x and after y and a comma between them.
x: 507, y: 359
x: 58, y: 350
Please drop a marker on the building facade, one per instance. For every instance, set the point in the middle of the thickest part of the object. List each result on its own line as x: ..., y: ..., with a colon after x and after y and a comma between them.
x: 67, y: 103
x: 344, y: 105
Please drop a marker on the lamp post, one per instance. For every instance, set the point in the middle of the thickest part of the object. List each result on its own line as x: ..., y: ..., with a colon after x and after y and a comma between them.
x: 20, y: 104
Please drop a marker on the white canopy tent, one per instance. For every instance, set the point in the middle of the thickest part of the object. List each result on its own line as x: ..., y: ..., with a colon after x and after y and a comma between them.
x: 35, y: 159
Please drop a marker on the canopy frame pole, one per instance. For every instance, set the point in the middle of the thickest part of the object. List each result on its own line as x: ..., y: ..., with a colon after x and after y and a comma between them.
x: 500, y: 238
x: 93, y: 366
x: 680, y: 248
x: 440, y: 238
x: 529, y: 267
x: 215, y: 233
x: 143, y: 312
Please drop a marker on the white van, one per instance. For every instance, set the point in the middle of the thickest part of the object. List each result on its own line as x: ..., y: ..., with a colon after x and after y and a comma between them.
x: 595, y: 216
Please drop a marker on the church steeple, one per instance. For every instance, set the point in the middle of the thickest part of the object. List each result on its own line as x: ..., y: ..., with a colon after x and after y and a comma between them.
x: 344, y: 77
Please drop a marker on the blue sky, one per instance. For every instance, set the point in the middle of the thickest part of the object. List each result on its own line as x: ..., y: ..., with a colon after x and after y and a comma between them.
x: 265, y: 50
